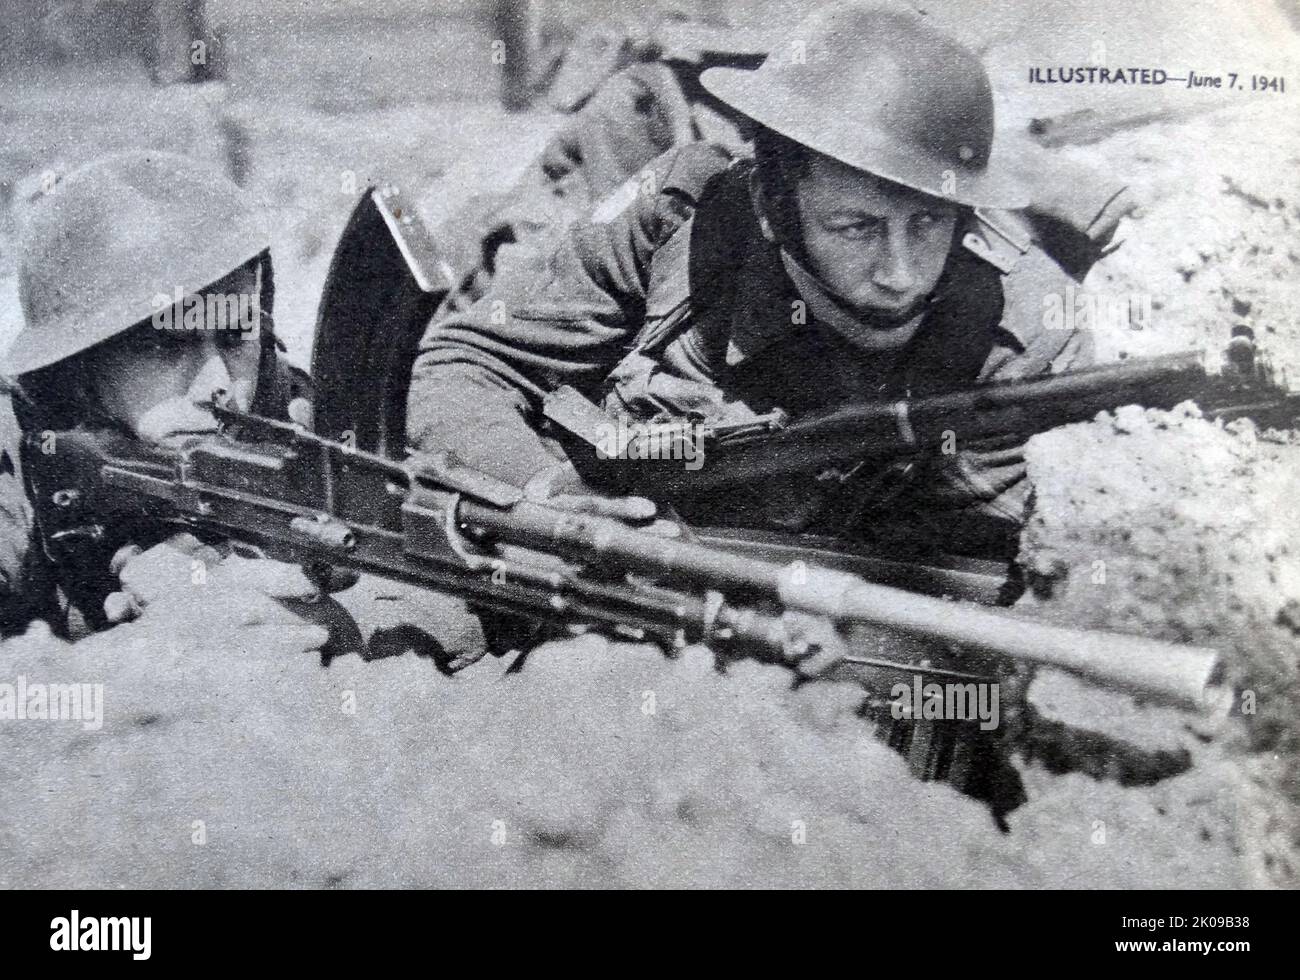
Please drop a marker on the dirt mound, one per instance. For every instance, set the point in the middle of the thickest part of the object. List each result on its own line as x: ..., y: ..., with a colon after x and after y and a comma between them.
x: 596, y: 764
x: 1165, y: 524
x: 1218, y: 241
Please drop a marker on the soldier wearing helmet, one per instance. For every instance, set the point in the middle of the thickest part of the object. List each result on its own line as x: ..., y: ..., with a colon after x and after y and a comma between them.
x: 146, y: 288
x: 851, y: 259
x: 145, y: 283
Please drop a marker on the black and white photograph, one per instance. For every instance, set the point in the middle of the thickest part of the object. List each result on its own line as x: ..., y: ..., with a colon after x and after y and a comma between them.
x: 651, y: 445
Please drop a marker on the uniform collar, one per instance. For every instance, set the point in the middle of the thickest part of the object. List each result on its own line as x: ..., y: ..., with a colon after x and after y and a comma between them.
x: 990, y: 240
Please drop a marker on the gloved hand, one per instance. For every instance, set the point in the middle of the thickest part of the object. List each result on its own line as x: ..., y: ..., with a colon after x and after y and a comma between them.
x: 253, y: 605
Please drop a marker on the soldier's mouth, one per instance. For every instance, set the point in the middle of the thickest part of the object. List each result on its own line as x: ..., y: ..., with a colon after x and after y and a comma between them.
x: 889, y: 307
x: 888, y: 317
x: 173, y: 419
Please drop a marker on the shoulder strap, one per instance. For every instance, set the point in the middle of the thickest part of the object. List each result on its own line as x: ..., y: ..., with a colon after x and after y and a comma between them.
x: 703, y: 259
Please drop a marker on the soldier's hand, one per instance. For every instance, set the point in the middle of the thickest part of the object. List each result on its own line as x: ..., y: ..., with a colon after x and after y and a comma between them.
x: 979, y: 476
x: 195, y: 587
x: 812, y: 645
x: 562, y: 488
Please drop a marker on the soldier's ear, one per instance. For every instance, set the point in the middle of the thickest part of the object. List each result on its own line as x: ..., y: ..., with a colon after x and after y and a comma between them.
x: 762, y: 205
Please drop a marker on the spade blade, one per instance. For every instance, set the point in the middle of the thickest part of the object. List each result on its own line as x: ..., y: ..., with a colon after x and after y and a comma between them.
x: 385, y: 281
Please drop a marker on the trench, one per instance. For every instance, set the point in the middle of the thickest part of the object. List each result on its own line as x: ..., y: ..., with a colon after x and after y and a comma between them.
x: 982, y: 765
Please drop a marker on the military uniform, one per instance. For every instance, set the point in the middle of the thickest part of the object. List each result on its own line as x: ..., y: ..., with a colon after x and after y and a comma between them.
x: 635, y: 116
x: 674, y: 302
x: 687, y: 291
x: 26, y: 580
x: 631, y: 95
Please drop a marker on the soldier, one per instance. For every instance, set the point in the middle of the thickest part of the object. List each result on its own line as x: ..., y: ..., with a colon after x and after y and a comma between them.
x: 847, y: 261
x: 146, y: 287
x: 145, y: 282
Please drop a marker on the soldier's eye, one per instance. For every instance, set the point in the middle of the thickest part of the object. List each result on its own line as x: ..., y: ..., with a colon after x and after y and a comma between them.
x: 857, y: 227
x: 151, y: 339
x: 230, y: 339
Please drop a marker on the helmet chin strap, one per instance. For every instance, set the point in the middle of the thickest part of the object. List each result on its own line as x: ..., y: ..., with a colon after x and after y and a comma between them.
x: 817, y: 291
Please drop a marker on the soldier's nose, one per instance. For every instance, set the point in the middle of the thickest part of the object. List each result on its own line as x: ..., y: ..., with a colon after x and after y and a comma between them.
x: 212, y: 375
x: 894, y: 270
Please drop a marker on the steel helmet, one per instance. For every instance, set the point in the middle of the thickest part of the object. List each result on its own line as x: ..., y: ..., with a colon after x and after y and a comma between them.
x: 877, y: 87
x: 115, y: 234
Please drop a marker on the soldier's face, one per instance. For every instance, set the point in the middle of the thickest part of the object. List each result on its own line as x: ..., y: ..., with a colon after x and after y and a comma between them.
x: 154, y: 380
x: 878, y: 245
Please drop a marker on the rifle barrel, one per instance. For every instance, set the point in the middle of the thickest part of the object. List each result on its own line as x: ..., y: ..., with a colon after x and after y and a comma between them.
x: 413, y: 530
x: 1172, y: 672
x: 886, y: 429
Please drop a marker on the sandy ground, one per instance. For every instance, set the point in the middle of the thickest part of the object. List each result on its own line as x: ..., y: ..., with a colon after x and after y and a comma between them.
x: 230, y: 756
x: 599, y: 764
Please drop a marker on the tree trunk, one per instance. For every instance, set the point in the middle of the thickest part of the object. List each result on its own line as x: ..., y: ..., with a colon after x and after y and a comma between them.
x: 182, y: 42
x: 517, y: 30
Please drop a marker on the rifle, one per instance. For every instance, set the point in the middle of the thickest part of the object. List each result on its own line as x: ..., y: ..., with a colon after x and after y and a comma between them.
x: 732, y: 455
x: 432, y: 522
